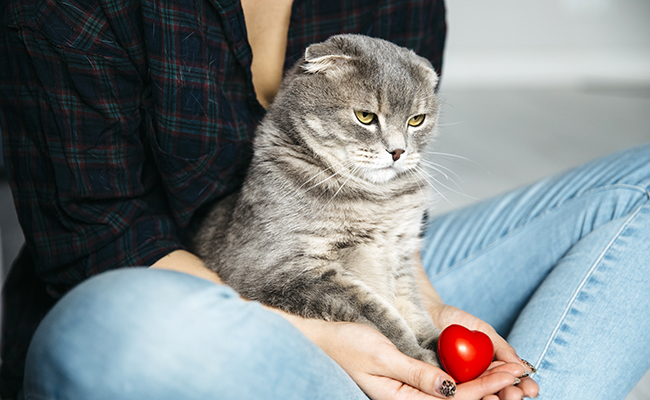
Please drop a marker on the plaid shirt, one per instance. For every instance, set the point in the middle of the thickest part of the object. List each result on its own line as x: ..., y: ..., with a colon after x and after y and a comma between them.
x: 121, y: 119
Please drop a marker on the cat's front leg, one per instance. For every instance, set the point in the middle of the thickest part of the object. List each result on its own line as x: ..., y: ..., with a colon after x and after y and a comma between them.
x: 391, y: 323
x: 416, y: 317
x: 331, y: 294
x: 409, y: 305
x: 377, y: 312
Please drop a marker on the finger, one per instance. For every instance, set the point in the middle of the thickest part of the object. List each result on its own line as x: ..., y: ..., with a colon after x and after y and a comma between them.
x: 418, y: 374
x: 504, y: 352
x: 485, y: 385
x: 382, y: 388
x: 530, y: 368
x: 515, y: 369
x: 529, y: 387
x: 511, y: 393
x: 495, y: 364
x: 526, y: 387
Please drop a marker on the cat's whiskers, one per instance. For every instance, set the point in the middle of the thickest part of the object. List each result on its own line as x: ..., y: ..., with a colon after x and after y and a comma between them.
x: 436, y: 153
x: 412, y: 172
x: 445, y: 186
x: 352, y: 172
x: 418, y: 177
x: 421, y: 173
x: 439, y: 168
x: 459, y: 189
x: 347, y: 164
x: 320, y: 172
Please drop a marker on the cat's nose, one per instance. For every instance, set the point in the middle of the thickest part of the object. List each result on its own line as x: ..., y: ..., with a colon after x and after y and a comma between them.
x: 396, y: 153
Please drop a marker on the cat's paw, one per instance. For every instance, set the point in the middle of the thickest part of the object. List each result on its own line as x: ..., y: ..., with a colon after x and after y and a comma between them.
x: 428, y: 356
x: 431, y: 342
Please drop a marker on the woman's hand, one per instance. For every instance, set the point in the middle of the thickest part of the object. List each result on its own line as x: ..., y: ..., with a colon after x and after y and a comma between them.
x: 444, y: 315
x: 383, y: 372
x: 506, y: 357
x: 375, y: 364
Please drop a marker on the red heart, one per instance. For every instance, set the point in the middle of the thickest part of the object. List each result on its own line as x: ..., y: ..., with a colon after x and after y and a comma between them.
x: 464, y: 354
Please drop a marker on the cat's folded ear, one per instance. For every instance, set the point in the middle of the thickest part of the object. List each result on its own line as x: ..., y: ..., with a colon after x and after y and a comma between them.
x: 325, y: 57
x: 426, y: 66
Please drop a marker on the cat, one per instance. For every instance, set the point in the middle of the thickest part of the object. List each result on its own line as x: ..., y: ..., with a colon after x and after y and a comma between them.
x: 327, y: 222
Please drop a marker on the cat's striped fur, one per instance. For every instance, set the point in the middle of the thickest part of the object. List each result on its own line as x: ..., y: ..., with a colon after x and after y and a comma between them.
x: 327, y: 222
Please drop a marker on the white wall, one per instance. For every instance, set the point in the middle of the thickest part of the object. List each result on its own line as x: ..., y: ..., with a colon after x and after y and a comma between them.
x: 548, y: 43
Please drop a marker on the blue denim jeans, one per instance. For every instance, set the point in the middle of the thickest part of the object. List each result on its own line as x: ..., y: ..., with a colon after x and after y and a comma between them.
x: 560, y: 268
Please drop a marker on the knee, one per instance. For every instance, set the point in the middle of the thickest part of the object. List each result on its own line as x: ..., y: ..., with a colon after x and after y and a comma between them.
x: 117, y: 328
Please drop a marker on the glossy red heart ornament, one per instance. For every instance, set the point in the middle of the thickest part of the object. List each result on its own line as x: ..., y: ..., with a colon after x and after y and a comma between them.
x: 463, y: 353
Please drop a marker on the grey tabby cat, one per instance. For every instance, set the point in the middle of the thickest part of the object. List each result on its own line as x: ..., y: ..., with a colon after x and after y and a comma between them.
x: 327, y: 222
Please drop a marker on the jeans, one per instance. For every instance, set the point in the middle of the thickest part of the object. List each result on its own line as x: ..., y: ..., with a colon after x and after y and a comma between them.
x: 560, y: 268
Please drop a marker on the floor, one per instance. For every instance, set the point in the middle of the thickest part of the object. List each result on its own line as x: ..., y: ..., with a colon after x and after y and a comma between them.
x: 511, y: 138
x: 500, y: 140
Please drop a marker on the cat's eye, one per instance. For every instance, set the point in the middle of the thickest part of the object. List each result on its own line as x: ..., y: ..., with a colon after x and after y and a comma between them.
x: 365, y: 117
x: 417, y: 120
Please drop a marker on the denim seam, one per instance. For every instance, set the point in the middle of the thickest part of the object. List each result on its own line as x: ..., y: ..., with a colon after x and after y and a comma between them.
x: 516, y: 230
x: 589, y: 192
x: 583, y: 283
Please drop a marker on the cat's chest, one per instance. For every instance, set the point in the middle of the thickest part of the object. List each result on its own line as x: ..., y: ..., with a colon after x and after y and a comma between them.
x: 385, y: 254
x: 383, y: 223
x: 372, y: 240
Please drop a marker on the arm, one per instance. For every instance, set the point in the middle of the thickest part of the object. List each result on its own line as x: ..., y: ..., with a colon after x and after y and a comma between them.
x: 372, y: 361
x: 383, y: 372
x: 184, y: 261
x: 109, y: 154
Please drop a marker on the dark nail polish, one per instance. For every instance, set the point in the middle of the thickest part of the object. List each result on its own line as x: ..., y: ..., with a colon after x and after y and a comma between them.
x: 529, y: 365
x: 448, y: 388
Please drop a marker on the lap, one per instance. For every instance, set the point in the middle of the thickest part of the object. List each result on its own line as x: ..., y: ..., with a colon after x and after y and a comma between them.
x: 144, y: 333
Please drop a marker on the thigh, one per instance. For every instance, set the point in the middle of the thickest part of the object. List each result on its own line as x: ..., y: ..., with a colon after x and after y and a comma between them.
x: 144, y: 333
x: 490, y: 258
x: 586, y: 327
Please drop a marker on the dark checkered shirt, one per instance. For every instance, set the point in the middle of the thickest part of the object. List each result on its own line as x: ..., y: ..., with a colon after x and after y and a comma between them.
x: 121, y: 119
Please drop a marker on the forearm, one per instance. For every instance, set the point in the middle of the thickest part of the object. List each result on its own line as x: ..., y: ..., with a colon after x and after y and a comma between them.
x: 186, y: 262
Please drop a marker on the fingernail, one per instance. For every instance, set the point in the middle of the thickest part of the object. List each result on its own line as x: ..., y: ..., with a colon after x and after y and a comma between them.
x: 530, y: 366
x: 447, y: 388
